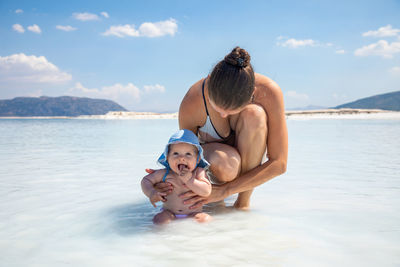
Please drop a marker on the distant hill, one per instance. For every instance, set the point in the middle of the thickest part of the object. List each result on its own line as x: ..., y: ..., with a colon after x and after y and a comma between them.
x: 56, y: 106
x: 389, y: 101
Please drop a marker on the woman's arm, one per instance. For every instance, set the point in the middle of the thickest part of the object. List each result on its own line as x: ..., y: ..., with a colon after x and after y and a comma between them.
x: 277, y: 141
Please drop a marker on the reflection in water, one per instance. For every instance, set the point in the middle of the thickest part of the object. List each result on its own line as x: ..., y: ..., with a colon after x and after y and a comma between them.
x: 136, y: 218
x: 131, y: 219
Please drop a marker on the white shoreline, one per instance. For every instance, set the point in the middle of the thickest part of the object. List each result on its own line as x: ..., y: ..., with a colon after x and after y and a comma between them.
x: 296, y: 115
x: 112, y: 115
x: 344, y: 113
x: 127, y: 115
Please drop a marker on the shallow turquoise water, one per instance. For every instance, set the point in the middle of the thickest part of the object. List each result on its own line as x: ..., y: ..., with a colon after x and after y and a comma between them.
x: 70, y: 195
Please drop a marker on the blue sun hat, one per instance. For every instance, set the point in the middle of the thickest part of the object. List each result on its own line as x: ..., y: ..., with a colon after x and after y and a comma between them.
x: 188, y: 137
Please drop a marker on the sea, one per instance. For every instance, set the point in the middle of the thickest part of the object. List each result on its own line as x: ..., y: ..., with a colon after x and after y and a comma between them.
x: 70, y: 195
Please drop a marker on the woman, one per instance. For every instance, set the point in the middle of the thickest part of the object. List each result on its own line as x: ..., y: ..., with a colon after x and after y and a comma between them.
x: 238, y: 116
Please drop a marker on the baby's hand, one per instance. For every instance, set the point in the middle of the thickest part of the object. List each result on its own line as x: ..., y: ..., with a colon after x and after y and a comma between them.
x: 185, y: 177
x: 157, y: 196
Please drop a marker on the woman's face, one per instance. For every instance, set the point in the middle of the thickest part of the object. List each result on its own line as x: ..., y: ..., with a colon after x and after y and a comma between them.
x: 225, y: 112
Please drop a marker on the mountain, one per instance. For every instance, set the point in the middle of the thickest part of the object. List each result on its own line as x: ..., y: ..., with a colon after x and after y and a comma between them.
x: 389, y: 101
x: 56, y: 106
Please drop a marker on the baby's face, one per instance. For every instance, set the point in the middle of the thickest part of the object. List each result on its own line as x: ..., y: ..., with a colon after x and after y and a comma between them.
x: 182, y: 158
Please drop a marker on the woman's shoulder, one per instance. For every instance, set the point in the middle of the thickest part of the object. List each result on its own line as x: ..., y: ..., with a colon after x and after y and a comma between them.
x: 266, y: 88
x: 195, y: 91
x: 266, y: 84
x: 268, y: 94
x: 191, y: 110
x: 194, y: 96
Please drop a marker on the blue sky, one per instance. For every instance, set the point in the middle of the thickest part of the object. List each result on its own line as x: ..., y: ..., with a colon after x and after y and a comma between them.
x: 146, y: 54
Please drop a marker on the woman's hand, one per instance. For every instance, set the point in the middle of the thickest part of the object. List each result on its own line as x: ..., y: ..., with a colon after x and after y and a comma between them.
x: 196, y: 201
x: 161, y: 187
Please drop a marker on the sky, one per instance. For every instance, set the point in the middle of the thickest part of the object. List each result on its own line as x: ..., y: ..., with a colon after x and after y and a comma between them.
x: 145, y: 55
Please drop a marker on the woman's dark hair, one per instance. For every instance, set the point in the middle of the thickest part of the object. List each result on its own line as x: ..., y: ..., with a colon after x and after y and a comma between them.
x: 231, y: 82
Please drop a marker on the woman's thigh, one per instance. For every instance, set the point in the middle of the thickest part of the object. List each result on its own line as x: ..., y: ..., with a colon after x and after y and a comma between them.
x: 224, y: 159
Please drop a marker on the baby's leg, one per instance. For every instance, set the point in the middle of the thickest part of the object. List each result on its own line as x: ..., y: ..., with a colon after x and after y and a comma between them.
x: 163, y: 217
x: 202, y: 217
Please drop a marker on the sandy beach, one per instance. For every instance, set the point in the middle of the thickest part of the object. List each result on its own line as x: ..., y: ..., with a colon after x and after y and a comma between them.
x: 110, y: 115
x: 132, y: 115
x: 345, y: 113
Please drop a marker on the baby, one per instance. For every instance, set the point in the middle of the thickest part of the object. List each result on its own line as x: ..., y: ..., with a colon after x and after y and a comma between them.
x: 185, y: 163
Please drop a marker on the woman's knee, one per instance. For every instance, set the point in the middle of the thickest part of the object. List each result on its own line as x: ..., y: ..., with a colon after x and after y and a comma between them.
x: 251, y: 136
x: 225, y: 161
x: 226, y: 165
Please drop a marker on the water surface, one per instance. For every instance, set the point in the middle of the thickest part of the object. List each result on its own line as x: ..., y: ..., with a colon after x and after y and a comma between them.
x: 70, y: 195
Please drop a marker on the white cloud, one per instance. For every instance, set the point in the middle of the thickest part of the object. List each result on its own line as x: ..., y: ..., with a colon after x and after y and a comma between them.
x: 298, y: 96
x: 20, y: 68
x: 118, y: 89
x: 395, y: 70
x: 34, y: 28
x: 66, y: 28
x: 117, y: 92
x: 381, y: 48
x: 85, y: 16
x: 341, y: 51
x: 147, y: 29
x: 18, y: 28
x: 19, y: 11
x: 80, y: 89
x: 285, y: 41
x: 154, y: 88
x: 105, y: 14
x: 293, y: 43
x: 123, y: 94
x: 385, y: 31
x: 161, y: 28
x: 122, y: 31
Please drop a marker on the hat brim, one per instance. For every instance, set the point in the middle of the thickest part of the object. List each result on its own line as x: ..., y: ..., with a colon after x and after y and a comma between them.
x: 164, y: 161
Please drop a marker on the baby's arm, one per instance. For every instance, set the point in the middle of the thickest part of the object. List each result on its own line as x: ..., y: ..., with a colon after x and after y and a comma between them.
x: 199, y: 183
x: 148, y: 187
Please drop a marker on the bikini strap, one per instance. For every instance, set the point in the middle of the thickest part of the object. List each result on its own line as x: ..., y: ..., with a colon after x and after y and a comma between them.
x: 165, y: 175
x: 204, y: 97
x: 205, y: 105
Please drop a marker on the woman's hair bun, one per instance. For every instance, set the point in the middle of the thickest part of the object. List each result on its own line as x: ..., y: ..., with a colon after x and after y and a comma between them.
x: 238, y: 57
